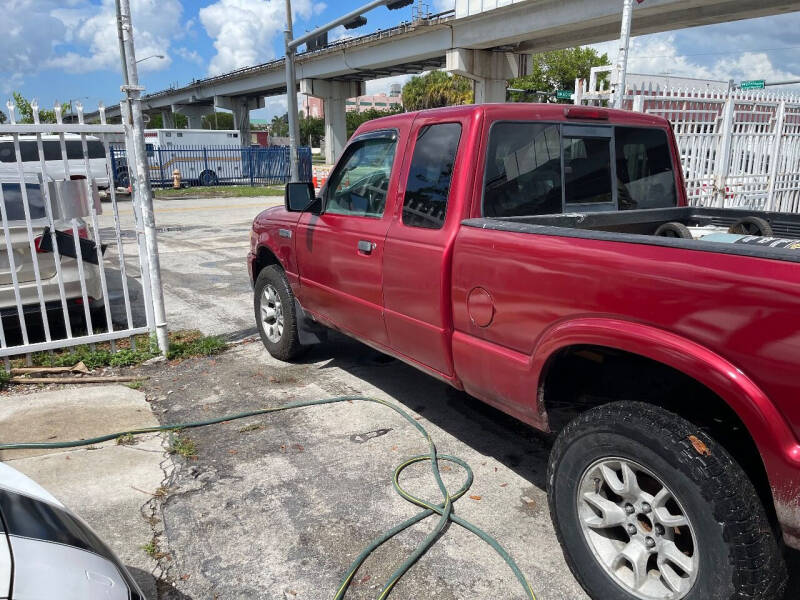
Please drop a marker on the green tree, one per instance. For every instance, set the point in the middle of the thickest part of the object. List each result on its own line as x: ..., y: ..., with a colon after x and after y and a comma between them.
x: 279, y: 127
x: 312, y: 129
x: 557, y: 70
x: 436, y: 89
x: 355, y: 119
x: 25, y: 111
x: 2, y: 117
x: 157, y: 122
x: 218, y: 120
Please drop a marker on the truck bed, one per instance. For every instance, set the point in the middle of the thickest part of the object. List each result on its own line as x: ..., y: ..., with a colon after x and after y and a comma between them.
x: 638, y: 227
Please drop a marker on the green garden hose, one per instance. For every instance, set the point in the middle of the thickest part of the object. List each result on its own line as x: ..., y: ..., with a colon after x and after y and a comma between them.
x: 443, y: 509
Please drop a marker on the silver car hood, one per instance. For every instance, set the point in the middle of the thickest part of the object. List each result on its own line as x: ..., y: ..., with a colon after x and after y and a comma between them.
x: 47, y: 552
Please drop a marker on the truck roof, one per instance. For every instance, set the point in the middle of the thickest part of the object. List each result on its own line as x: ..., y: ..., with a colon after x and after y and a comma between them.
x: 566, y: 113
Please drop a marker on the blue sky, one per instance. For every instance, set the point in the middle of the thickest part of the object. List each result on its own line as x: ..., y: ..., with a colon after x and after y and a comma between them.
x: 57, y: 50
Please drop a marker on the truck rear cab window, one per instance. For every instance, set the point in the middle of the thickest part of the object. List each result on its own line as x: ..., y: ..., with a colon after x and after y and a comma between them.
x: 523, y: 170
x: 645, y: 175
x: 360, y: 183
x: 587, y: 170
x: 430, y: 174
x: 14, y: 204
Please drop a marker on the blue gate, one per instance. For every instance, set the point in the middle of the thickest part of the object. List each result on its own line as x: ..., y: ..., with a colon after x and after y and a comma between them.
x: 215, y: 165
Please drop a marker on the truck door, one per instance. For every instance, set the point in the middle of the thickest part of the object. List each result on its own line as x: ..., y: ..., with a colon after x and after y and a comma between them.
x: 419, y: 243
x: 340, y: 252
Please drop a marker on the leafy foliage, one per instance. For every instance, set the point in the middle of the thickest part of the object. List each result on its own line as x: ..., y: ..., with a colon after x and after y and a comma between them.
x: 218, y: 120
x: 312, y: 129
x: 3, y: 117
x: 5, y: 377
x: 25, y: 111
x: 436, y: 89
x: 157, y: 122
x: 557, y: 70
x: 280, y: 125
x: 187, y: 344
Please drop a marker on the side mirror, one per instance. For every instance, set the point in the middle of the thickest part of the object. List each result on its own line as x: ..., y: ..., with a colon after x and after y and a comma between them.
x: 299, y: 196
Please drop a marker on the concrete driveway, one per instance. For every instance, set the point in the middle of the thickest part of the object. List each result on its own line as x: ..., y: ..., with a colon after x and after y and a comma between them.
x: 278, y: 506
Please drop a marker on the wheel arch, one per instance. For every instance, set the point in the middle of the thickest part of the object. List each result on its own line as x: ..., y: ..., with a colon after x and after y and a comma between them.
x: 599, y: 355
x: 264, y: 258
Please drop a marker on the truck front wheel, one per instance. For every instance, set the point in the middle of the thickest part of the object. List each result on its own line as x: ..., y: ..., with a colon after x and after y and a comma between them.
x: 646, y: 506
x: 275, y: 314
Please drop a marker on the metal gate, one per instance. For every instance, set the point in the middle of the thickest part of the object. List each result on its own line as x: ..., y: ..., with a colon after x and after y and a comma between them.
x: 739, y: 149
x: 70, y: 272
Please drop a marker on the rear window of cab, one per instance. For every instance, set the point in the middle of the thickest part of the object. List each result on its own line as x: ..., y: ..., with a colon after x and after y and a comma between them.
x: 547, y: 168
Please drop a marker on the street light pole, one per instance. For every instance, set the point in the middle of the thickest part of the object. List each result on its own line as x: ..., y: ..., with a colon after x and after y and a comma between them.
x: 291, y: 83
x: 291, y: 95
x: 622, y: 56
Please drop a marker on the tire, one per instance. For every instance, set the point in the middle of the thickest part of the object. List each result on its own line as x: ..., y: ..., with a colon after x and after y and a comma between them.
x: 727, y: 541
x: 123, y: 178
x: 673, y: 229
x: 282, y: 342
x: 208, y: 178
x: 752, y: 226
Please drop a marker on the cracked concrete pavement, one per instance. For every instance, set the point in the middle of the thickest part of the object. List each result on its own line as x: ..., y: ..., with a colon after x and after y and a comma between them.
x: 278, y: 506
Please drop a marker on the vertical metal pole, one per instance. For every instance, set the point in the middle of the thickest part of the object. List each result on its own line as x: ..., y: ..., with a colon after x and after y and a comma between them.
x: 143, y: 191
x: 775, y: 153
x: 622, y: 56
x: 723, y: 155
x: 291, y: 95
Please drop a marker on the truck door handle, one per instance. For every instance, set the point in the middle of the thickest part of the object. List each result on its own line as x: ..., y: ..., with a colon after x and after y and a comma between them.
x: 366, y: 247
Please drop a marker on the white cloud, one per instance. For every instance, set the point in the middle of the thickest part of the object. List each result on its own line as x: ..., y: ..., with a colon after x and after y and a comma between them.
x: 243, y: 30
x: 26, y: 41
x: 189, y: 55
x: 658, y: 54
x: 156, y: 23
x: 378, y: 86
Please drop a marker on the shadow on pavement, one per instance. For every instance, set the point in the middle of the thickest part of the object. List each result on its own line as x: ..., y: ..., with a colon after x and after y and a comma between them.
x: 155, y: 589
x: 520, y: 447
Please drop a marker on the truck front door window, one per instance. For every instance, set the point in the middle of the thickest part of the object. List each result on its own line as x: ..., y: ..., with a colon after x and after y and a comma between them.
x: 587, y: 170
x: 428, y: 186
x: 360, y: 185
x: 644, y: 169
x: 523, y: 170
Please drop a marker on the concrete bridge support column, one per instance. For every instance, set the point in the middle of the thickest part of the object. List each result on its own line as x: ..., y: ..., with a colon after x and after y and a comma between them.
x: 241, y: 107
x: 167, y: 119
x: 194, y: 113
x: 334, y: 95
x: 489, y: 70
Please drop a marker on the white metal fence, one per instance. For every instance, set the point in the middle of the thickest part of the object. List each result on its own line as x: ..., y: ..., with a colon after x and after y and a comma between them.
x: 65, y: 278
x: 739, y: 149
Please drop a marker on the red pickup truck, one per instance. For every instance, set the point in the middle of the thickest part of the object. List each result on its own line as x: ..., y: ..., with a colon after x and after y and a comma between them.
x: 509, y: 250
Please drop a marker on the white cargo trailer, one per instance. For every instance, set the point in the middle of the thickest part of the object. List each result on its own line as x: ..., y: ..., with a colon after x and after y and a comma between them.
x: 201, y: 155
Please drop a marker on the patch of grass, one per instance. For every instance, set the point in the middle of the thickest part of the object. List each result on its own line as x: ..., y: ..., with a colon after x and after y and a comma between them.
x: 151, y: 548
x: 182, y: 344
x: 222, y: 191
x: 183, y: 446
x: 193, y: 343
x: 135, y: 385
x: 125, y: 440
x: 5, y: 377
x: 251, y: 427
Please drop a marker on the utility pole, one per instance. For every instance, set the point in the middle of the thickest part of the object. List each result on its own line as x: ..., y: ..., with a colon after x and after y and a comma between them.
x: 144, y: 193
x: 291, y: 95
x: 621, y: 68
x: 291, y: 48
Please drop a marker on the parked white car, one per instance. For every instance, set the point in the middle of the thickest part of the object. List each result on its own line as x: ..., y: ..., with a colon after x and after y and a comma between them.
x: 46, y: 551
x: 54, y: 161
x: 23, y: 262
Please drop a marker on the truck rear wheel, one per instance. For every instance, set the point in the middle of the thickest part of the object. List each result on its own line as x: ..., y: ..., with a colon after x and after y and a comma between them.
x: 647, y: 506
x: 275, y: 314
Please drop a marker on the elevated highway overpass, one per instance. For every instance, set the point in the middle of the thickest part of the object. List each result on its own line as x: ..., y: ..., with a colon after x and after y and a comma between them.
x: 489, y: 48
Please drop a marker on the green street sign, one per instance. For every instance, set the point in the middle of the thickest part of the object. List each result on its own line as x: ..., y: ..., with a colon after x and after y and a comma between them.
x: 753, y: 84
x: 564, y: 95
